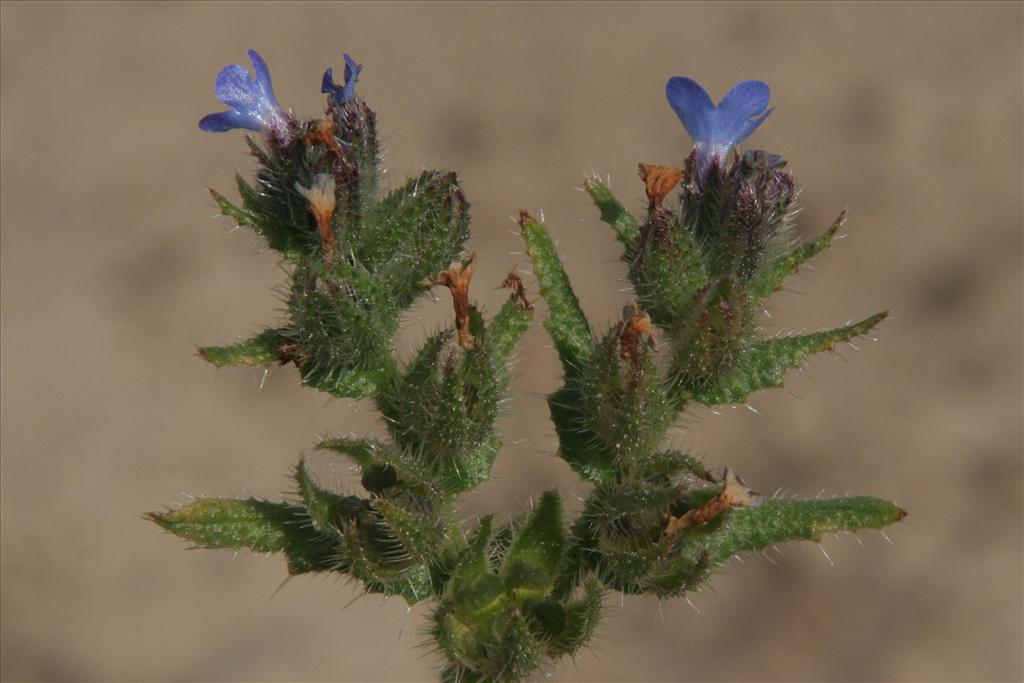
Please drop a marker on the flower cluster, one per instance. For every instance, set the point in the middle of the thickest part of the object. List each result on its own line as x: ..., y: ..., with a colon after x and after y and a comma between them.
x: 252, y: 101
x: 509, y: 597
x: 341, y: 94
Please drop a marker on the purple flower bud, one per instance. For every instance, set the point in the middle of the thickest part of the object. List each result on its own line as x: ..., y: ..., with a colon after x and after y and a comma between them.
x: 252, y: 101
x: 340, y: 94
x: 717, y: 129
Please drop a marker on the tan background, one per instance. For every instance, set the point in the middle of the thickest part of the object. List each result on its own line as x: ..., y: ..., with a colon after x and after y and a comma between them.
x: 114, y: 268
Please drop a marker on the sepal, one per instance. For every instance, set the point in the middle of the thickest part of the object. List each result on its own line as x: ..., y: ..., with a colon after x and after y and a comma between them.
x: 357, y: 147
x: 377, y: 558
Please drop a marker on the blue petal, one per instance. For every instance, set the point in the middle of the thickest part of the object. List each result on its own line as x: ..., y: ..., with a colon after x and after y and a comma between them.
x: 692, y: 105
x: 235, y: 89
x: 336, y: 92
x: 251, y: 99
x: 229, y: 120
x: 741, y: 111
x: 327, y: 84
x: 262, y: 83
x: 352, y: 71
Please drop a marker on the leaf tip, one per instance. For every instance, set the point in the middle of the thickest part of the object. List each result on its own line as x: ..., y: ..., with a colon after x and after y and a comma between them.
x: 158, y: 518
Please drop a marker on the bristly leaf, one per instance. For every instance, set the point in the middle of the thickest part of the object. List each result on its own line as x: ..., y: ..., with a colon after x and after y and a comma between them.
x: 258, y: 525
x: 260, y: 351
x: 616, y: 215
x: 615, y: 410
x: 340, y: 329
x: 378, y: 560
x: 385, y: 468
x: 241, y: 216
x: 624, y: 408
x: 563, y: 628
x: 280, y: 213
x: 347, y: 382
x: 412, y: 234
x: 764, y: 363
x: 771, y: 276
x: 475, y: 591
x: 277, y: 237
x: 668, y: 271
x: 506, y: 328
x: 419, y: 528
x: 291, y: 244
x: 532, y: 561
x: 364, y: 452
x: 442, y: 411
x: 777, y: 521
x: 619, y: 536
x: 576, y: 444
x: 328, y: 511
x: 566, y: 323
x: 676, y: 466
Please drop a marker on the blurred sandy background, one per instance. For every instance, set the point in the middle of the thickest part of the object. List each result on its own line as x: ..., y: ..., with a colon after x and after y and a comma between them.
x: 114, y: 268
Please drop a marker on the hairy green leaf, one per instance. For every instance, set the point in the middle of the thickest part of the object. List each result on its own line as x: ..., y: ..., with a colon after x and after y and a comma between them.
x: 261, y: 350
x: 770, y: 277
x: 532, y: 561
x: 566, y: 323
x: 258, y: 525
x: 615, y: 215
x: 764, y: 363
x: 778, y: 521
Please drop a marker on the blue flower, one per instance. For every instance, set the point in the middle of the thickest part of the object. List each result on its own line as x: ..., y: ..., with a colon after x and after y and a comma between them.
x: 252, y: 101
x: 717, y: 129
x: 342, y: 94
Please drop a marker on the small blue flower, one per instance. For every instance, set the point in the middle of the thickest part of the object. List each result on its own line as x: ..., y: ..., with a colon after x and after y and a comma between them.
x: 342, y: 94
x: 717, y: 129
x: 252, y: 101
